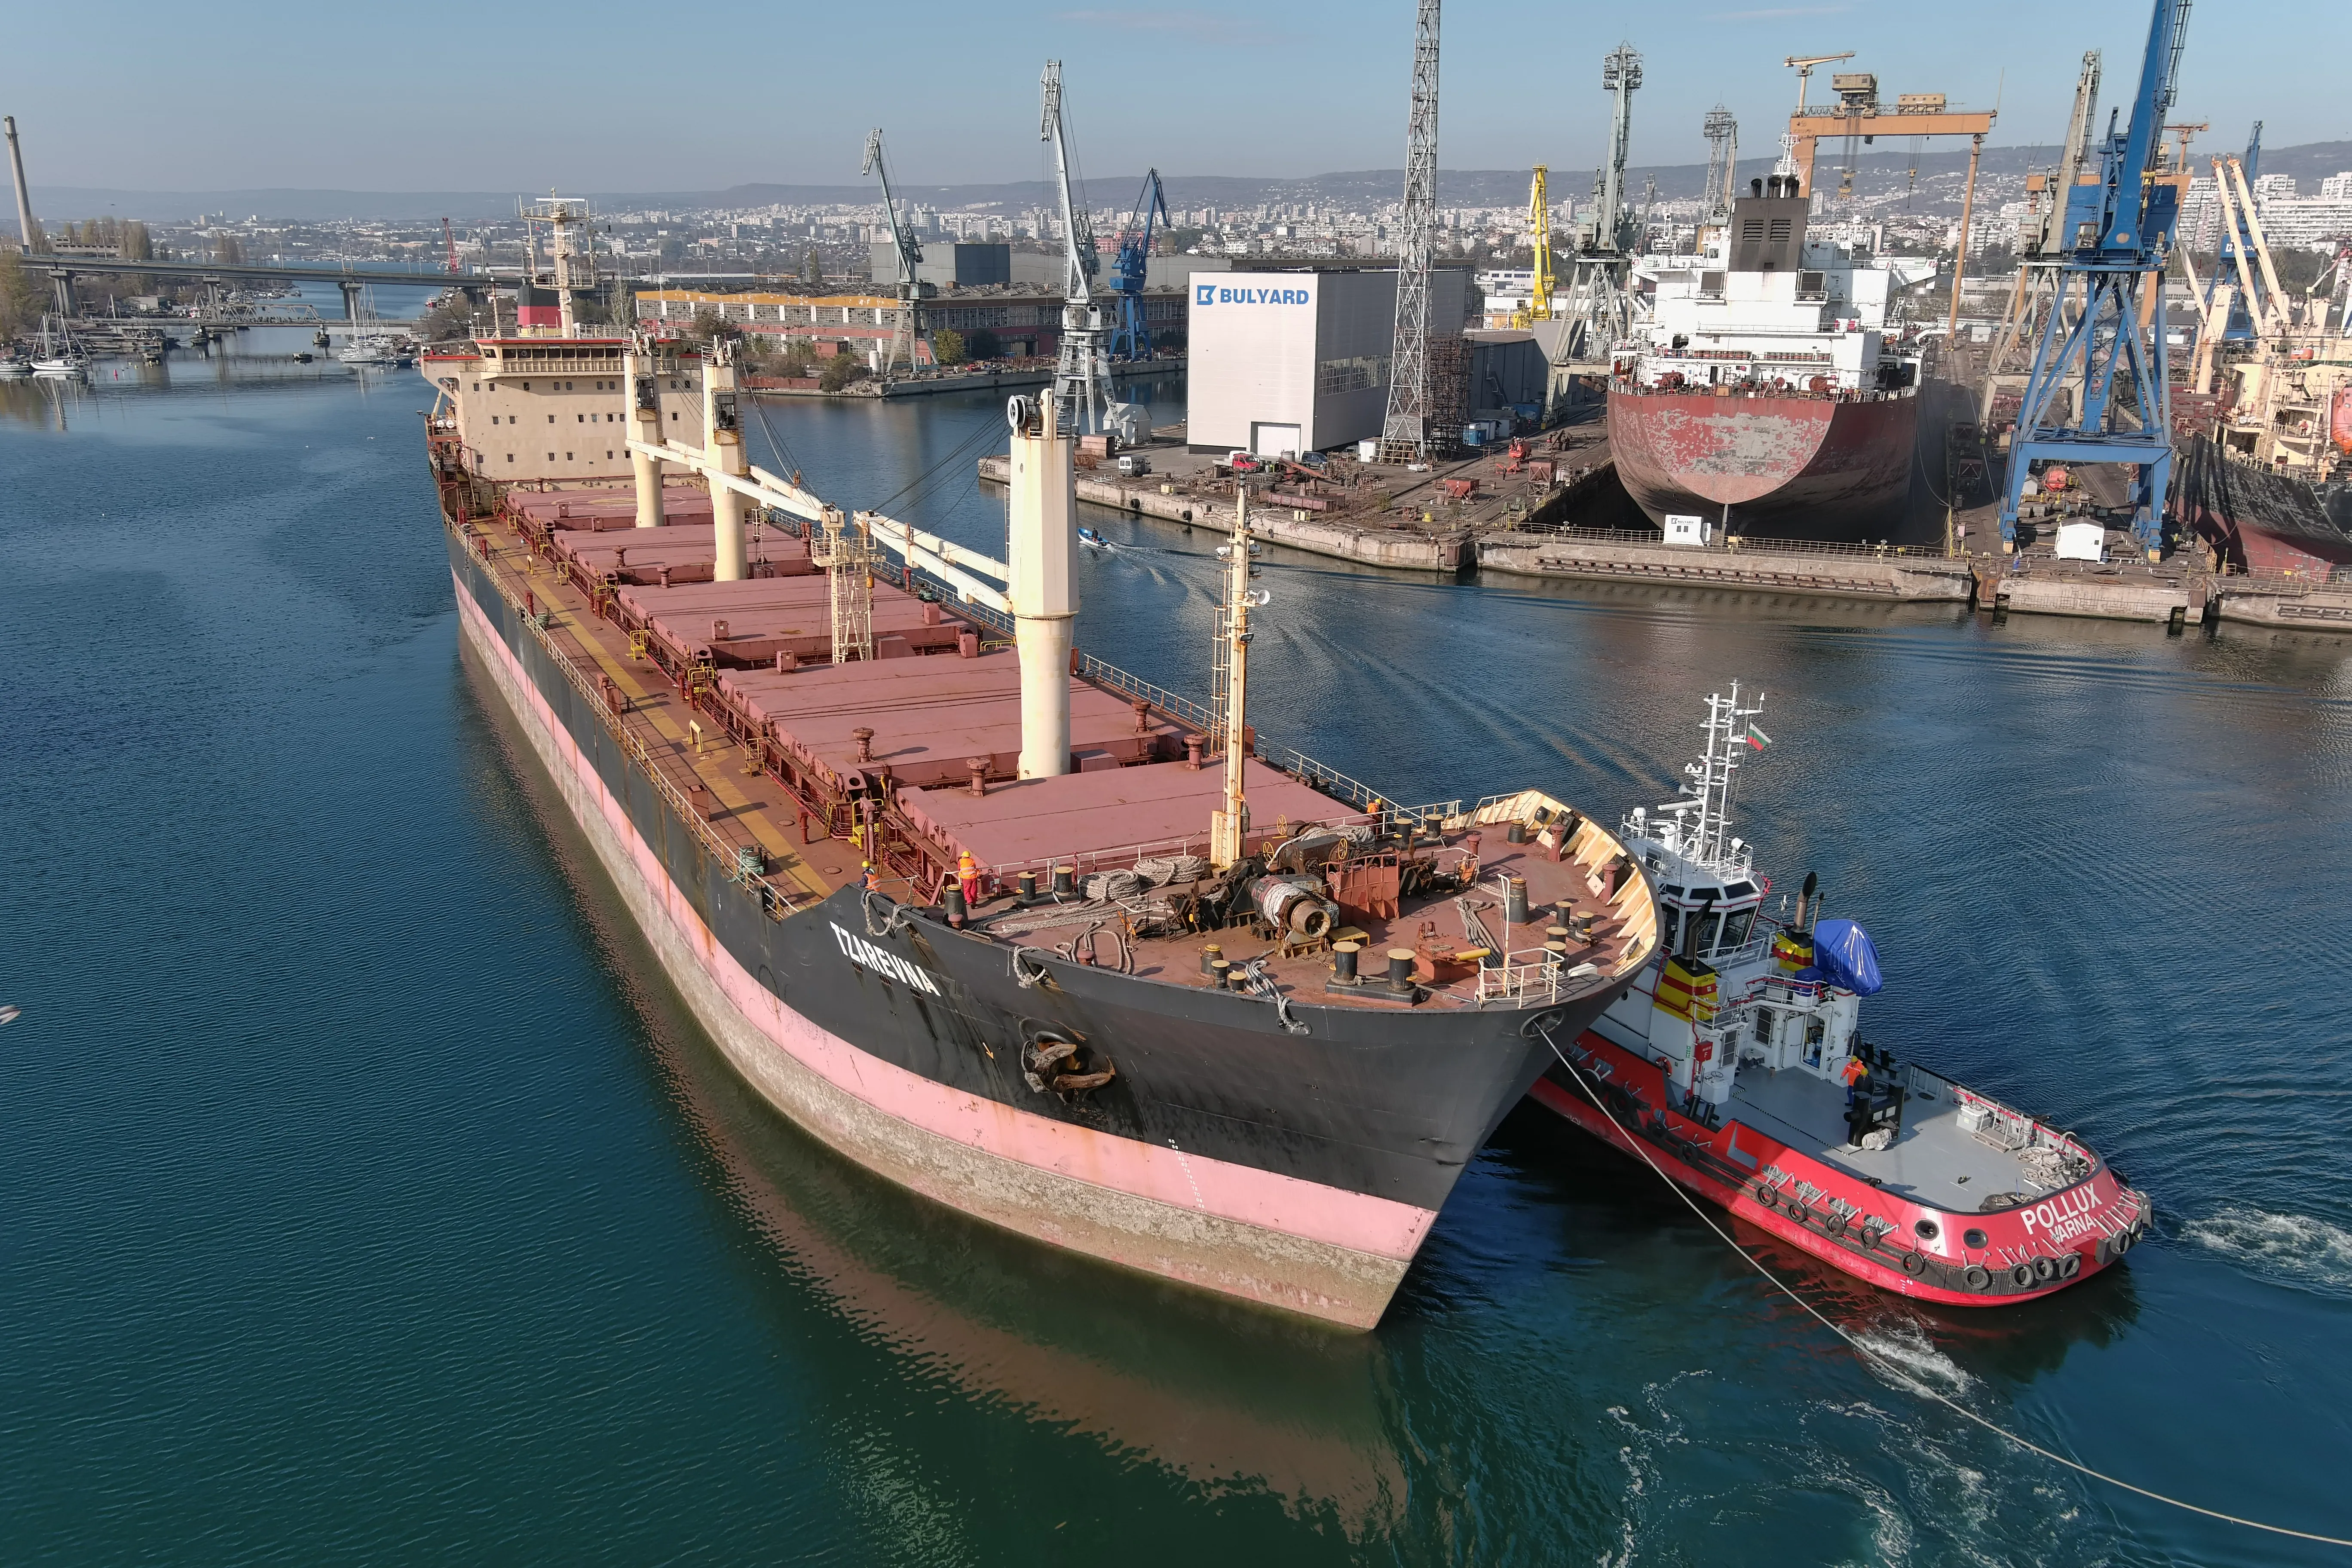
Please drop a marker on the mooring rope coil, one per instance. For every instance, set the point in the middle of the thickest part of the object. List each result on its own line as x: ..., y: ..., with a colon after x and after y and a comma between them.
x: 1897, y: 1371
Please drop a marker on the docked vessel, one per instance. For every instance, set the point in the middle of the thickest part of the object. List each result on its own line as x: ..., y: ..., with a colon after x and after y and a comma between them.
x: 1736, y: 1066
x: 1771, y: 395
x: 2260, y: 518
x: 1047, y: 945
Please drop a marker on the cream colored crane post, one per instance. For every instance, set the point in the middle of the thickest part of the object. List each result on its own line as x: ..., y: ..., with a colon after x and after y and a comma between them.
x: 723, y: 440
x: 1229, y: 825
x: 1043, y: 592
x: 643, y: 390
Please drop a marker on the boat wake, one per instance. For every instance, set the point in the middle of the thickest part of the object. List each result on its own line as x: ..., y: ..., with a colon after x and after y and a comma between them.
x: 2289, y: 1250
x: 1902, y: 1353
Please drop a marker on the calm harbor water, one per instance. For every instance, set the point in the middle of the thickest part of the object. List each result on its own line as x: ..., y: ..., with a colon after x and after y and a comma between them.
x: 370, y: 1197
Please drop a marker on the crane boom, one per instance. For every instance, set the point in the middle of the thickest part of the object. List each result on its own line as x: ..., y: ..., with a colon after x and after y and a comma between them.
x: 910, y: 255
x: 1130, y: 268
x: 1082, y: 391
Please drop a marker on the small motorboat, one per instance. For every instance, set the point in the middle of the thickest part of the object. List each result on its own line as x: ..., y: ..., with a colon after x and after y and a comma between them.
x: 1093, y: 539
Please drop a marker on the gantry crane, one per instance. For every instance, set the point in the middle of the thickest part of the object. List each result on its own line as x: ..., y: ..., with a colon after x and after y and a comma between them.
x: 1082, y: 391
x: 1538, y: 307
x: 1859, y: 116
x: 1131, y: 268
x: 2114, y: 234
x: 912, y: 290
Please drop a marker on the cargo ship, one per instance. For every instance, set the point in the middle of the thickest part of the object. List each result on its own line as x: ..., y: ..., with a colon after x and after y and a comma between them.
x: 1770, y: 396
x: 1047, y: 945
x: 2260, y: 518
x: 1737, y: 1067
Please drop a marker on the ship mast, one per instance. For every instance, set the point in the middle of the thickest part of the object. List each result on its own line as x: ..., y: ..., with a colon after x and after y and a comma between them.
x: 1229, y: 826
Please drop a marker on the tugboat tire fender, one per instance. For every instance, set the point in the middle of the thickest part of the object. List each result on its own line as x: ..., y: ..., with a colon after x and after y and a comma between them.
x: 1763, y: 1192
x: 1976, y: 1277
x: 2045, y: 1269
x: 1913, y: 1265
x: 2021, y: 1275
x: 2070, y: 1266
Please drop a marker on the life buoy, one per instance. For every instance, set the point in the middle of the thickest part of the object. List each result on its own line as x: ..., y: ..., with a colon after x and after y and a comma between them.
x: 1975, y: 1277
x: 2021, y: 1275
x: 2045, y: 1269
x: 1913, y: 1265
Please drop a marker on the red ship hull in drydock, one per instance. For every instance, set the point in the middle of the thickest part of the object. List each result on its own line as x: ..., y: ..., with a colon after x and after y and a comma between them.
x: 1018, y: 931
x: 1796, y: 464
x: 1736, y: 1067
x: 1773, y: 396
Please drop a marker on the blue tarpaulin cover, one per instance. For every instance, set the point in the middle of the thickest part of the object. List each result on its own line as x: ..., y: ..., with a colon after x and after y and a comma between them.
x: 1843, y: 953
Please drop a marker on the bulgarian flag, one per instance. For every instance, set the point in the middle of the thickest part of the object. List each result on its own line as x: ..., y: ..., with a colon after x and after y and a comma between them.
x: 1757, y: 738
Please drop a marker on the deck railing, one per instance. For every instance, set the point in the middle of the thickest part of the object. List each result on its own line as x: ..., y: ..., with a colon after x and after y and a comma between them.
x: 778, y: 898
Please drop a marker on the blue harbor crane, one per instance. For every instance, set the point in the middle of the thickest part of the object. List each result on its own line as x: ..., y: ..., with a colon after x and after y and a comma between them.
x: 1129, y: 338
x: 2111, y: 244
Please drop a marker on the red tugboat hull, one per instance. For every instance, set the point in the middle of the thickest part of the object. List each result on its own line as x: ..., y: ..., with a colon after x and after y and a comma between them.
x: 1787, y: 466
x: 2028, y: 1251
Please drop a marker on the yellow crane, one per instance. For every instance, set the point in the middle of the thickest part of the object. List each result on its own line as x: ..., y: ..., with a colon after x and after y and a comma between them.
x: 1538, y: 307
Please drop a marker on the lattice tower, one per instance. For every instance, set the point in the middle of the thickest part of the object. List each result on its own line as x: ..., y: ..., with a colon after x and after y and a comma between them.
x: 1405, y: 433
x: 1722, y: 163
x: 844, y: 550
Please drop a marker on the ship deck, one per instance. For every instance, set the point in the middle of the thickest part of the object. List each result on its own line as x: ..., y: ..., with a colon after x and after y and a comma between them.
x: 1933, y: 1160
x: 728, y: 691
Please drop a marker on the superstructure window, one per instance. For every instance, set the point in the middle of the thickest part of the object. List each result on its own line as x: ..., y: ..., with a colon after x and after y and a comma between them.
x: 1673, y: 926
x: 1735, y: 927
x: 1708, y: 925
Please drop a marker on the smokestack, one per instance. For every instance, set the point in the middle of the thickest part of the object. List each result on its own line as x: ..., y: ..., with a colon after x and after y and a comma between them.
x: 1044, y: 599
x: 24, y: 196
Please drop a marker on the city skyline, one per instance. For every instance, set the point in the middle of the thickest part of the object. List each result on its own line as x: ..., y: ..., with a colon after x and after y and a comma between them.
x: 1220, y: 91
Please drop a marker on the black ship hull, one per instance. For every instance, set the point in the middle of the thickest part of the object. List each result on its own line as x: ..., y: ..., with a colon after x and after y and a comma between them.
x: 1296, y: 1167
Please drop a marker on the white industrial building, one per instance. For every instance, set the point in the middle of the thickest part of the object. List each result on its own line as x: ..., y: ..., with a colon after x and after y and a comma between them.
x: 1298, y: 360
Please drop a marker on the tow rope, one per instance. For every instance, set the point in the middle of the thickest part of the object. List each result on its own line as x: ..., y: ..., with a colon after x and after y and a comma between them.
x: 1896, y: 1372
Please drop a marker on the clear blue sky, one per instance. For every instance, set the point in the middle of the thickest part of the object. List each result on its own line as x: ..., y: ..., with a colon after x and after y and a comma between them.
x: 253, y: 93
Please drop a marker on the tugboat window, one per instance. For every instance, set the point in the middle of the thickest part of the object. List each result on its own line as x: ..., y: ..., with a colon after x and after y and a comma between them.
x: 1735, y: 927
x: 1707, y: 926
x: 1672, y: 928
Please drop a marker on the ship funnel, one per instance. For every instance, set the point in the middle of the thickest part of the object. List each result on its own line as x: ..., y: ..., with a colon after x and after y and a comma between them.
x: 1805, y: 902
x: 1044, y: 599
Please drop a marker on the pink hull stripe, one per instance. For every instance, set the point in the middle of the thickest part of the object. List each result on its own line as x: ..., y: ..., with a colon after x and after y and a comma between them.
x: 1265, y: 1199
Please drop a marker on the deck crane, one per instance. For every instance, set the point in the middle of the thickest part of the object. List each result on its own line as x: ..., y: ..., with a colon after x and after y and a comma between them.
x: 912, y: 290
x: 2240, y: 314
x: 1082, y: 394
x: 2114, y: 237
x: 1130, y: 339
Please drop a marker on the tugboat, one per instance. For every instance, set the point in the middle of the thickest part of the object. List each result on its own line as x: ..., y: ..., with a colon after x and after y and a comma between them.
x: 1736, y: 1063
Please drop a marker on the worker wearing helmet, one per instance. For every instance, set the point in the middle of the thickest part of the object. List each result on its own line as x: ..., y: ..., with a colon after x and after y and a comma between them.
x: 968, y: 873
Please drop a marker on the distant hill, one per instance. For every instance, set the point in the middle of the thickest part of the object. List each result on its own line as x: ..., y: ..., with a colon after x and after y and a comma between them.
x: 1879, y: 168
